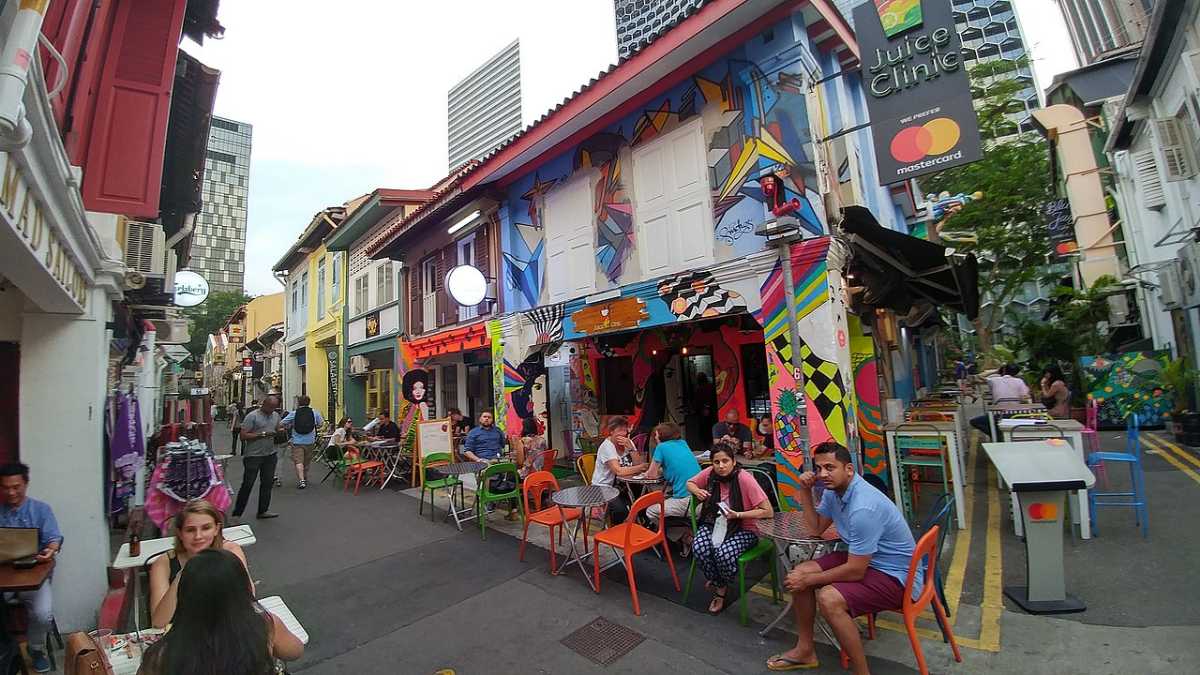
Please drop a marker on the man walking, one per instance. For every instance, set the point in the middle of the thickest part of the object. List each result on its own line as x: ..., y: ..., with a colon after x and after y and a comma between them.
x: 258, y: 457
x: 303, y: 422
x: 19, y: 510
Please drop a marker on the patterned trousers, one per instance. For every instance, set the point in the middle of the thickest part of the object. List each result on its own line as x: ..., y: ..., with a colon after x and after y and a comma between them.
x: 720, y: 564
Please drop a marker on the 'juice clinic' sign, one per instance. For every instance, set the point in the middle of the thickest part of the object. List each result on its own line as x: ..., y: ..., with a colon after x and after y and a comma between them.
x: 918, y: 92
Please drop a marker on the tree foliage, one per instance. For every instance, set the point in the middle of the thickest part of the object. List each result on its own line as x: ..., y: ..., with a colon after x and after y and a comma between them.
x: 209, y: 316
x: 1012, y: 241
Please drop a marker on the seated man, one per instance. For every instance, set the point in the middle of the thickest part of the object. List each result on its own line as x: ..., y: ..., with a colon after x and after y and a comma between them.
x: 733, y: 433
x: 674, y: 460
x: 485, y: 442
x: 869, y: 578
x: 19, y: 510
x: 1005, y: 387
x: 383, y: 427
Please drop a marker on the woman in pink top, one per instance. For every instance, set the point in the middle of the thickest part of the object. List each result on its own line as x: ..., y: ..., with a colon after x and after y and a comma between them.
x: 728, y: 494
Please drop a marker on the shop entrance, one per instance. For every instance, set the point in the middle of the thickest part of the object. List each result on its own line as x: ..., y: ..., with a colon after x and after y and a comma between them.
x: 10, y: 364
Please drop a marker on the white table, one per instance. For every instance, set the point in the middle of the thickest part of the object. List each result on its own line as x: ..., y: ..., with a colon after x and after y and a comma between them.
x: 1040, y: 473
x: 942, y: 429
x: 1026, y: 430
x: 1008, y: 409
x: 239, y: 534
x: 274, y: 605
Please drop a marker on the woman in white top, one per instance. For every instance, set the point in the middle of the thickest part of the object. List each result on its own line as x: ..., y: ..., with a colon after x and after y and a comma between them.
x: 617, y: 456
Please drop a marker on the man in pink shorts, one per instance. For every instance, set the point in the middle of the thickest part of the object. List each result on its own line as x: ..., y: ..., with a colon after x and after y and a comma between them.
x: 868, y: 578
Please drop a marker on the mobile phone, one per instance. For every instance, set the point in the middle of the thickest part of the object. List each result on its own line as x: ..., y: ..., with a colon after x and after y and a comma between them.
x: 724, y: 508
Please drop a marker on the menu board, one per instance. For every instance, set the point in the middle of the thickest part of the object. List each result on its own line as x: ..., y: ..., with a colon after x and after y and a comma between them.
x: 432, y: 436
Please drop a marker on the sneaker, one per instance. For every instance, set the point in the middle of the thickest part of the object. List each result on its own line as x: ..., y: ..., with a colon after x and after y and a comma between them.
x: 278, y: 483
x: 267, y: 514
x: 301, y: 485
x: 40, y: 663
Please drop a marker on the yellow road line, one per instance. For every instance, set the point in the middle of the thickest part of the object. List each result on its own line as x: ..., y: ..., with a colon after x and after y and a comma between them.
x: 1176, y: 447
x: 1167, y: 452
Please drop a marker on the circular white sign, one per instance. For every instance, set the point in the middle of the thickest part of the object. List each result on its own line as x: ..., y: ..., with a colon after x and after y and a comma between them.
x: 191, y: 289
x: 466, y: 285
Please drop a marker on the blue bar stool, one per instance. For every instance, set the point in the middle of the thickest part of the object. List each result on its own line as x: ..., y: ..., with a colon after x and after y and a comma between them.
x: 1137, y: 496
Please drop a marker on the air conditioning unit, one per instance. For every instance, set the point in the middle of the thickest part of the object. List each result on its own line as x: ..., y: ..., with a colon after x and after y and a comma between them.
x: 1170, y: 293
x: 359, y: 365
x: 1189, y: 275
x: 147, y: 255
x: 171, y: 331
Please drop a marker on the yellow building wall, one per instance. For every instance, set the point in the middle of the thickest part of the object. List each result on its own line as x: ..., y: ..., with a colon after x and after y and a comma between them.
x: 262, y: 313
x: 325, y: 333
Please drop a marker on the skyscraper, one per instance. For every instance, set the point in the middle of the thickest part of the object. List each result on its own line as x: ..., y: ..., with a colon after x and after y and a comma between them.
x: 1100, y: 27
x: 640, y: 21
x: 218, y: 250
x: 484, y: 109
x: 990, y: 32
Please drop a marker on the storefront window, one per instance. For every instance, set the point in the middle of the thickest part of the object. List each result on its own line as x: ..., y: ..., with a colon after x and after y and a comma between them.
x: 379, y: 392
x: 449, y: 388
x: 754, y: 377
x: 617, y: 395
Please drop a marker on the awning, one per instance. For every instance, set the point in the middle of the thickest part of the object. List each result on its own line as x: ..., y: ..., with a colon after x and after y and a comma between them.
x: 902, y: 270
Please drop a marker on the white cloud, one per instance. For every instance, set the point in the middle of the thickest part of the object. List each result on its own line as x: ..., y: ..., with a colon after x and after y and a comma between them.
x: 346, y: 97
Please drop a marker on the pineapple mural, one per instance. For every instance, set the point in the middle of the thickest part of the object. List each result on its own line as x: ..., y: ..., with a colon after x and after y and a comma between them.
x: 788, y: 421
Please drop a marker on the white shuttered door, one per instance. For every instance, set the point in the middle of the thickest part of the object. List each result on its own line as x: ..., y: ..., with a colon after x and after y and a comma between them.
x: 671, y: 202
x: 570, y: 240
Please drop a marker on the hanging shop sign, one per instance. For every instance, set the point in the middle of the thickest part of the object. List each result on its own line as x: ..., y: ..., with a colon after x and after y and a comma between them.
x: 1060, y: 226
x: 25, y: 216
x: 466, y: 285
x: 334, y: 379
x: 372, y: 324
x: 604, y: 317
x: 236, y: 334
x: 191, y: 289
x: 918, y: 92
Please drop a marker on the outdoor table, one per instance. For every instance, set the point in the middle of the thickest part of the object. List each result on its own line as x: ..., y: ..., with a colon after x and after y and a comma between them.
x: 941, y: 429
x: 459, y: 469
x: 13, y: 580
x: 786, y: 529
x: 275, y: 605
x: 583, y: 497
x: 1000, y: 410
x: 639, y: 479
x: 1040, y: 472
x: 239, y: 534
x: 1013, y: 431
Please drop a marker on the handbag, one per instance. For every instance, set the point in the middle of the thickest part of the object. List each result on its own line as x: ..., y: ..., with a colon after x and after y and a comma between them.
x: 83, y: 657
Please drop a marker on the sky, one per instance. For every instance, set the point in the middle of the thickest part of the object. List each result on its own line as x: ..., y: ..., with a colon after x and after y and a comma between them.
x: 350, y: 96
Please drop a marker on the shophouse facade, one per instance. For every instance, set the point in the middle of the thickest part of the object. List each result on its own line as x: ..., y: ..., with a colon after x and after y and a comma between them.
x: 240, y: 336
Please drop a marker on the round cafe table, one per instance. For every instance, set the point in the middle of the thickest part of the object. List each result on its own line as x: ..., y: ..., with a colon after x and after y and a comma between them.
x: 787, y: 529
x: 641, y: 480
x: 459, y: 469
x: 583, y: 497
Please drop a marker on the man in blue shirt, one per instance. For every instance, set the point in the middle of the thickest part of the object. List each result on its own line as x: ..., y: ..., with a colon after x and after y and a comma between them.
x: 485, y: 442
x: 674, y: 459
x: 869, y: 578
x: 303, y: 423
x: 19, y: 510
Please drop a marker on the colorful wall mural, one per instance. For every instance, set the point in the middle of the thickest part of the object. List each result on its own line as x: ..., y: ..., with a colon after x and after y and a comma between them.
x: 1127, y: 383
x: 867, y: 404
x: 754, y: 111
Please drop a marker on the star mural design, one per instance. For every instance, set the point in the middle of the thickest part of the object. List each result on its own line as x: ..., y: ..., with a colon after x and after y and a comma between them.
x: 533, y: 195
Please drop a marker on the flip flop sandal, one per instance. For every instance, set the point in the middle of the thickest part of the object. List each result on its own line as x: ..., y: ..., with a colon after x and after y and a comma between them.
x: 789, y: 664
x: 713, y: 601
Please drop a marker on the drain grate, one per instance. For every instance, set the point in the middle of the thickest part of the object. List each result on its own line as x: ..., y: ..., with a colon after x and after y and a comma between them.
x: 603, y: 641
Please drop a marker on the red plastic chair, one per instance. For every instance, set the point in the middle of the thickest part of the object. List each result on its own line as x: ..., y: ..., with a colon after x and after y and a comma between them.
x: 536, y: 484
x: 911, y: 609
x: 632, y: 538
x: 356, y: 467
x: 1091, y: 438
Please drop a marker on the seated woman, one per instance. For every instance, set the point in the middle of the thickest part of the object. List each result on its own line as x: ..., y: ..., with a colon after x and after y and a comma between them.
x: 617, y: 456
x: 217, y: 611
x: 1056, y: 396
x: 196, y: 528
x: 532, y: 445
x: 732, y: 501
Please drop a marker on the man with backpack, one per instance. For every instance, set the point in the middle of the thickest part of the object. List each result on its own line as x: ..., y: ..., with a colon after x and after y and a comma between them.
x: 303, y: 423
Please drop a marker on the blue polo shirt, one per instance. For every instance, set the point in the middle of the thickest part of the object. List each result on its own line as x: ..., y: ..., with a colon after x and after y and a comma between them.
x: 299, y: 438
x: 33, y: 513
x: 870, y: 524
x: 485, y: 442
x: 678, y: 464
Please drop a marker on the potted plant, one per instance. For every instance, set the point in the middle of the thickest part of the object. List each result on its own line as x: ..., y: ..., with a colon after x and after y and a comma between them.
x: 1177, y: 377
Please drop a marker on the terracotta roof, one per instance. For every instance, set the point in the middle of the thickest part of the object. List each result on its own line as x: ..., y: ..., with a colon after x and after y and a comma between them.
x: 443, y: 190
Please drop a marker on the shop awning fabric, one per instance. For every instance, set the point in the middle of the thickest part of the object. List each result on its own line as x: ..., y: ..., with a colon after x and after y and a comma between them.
x: 925, y: 271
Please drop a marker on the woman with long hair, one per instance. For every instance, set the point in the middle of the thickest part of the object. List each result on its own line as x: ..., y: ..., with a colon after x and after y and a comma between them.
x: 197, y: 527
x: 218, y: 628
x: 532, y: 444
x: 731, y: 501
x: 1056, y: 396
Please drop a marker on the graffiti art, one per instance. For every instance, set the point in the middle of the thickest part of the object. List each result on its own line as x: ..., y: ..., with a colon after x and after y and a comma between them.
x: 694, y: 295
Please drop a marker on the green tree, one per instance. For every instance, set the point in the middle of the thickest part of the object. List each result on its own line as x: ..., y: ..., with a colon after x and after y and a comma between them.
x: 1009, y: 233
x: 209, y: 316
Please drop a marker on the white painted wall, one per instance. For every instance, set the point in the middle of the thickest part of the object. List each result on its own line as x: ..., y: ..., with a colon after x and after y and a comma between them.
x: 63, y: 372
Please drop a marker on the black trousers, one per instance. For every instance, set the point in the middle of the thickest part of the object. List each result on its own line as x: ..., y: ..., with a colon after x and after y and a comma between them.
x: 237, y: 434
x: 262, y: 468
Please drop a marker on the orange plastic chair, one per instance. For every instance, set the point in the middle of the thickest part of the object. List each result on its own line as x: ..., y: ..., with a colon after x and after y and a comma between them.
x: 356, y: 467
x: 632, y: 538
x: 911, y: 609
x: 931, y: 416
x: 536, y: 484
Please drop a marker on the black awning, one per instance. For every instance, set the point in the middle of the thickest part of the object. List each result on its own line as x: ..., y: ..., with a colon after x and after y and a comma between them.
x: 909, y: 269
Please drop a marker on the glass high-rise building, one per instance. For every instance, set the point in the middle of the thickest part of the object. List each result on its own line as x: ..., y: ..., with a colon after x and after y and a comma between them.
x: 640, y: 21
x: 1101, y: 27
x: 219, y: 243
x: 484, y: 109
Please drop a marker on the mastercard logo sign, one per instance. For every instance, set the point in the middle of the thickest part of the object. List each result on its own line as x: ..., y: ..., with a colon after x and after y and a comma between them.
x: 935, y: 137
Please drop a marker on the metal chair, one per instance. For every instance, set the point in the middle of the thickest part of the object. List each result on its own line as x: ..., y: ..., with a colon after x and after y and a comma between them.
x: 1136, y: 496
x: 918, y: 453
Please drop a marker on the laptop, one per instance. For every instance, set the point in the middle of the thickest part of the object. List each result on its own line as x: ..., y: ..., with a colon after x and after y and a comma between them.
x: 18, y: 544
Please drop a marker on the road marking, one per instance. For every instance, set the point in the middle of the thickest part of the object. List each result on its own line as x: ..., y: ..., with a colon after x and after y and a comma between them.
x: 1171, y: 445
x: 1168, y: 452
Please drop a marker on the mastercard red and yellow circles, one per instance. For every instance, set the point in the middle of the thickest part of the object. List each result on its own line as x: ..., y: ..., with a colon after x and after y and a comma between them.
x: 935, y: 137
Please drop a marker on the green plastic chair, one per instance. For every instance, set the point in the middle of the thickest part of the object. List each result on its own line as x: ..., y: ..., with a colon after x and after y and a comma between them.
x: 485, y: 496
x: 764, y: 547
x: 449, y: 483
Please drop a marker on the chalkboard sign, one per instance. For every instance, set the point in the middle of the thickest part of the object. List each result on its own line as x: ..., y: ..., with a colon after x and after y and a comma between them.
x: 1060, y: 226
x: 432, y: 436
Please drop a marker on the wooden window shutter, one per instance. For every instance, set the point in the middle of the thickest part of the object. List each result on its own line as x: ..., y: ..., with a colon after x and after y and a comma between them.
x: 1148, y: 181
x: 1175, y: 148
x: 483, y: 258
x: 445, y: 317
x: 64, y: 27
x: 415, y: 320
x: 123, y: 171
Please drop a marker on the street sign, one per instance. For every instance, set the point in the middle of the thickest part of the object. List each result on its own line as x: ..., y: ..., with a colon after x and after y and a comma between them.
x: 199, y: 391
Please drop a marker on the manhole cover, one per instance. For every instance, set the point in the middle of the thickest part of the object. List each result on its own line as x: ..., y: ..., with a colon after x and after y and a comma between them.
x: 603, y: 641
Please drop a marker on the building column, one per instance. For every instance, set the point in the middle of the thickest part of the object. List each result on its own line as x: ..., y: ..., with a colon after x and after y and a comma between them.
x: 64, y: 360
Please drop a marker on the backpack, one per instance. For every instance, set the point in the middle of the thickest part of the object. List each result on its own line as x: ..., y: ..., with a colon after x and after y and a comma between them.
x: 305, y: 421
